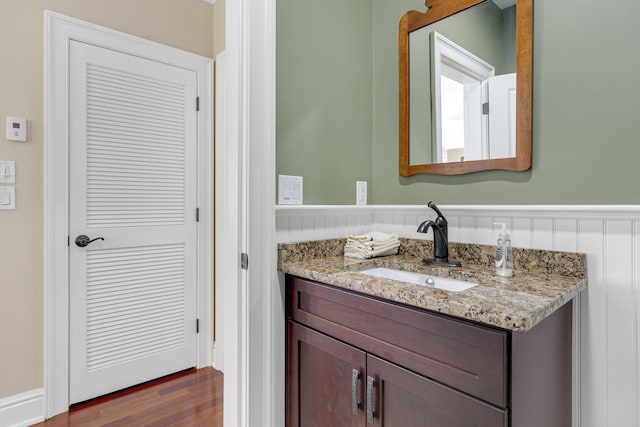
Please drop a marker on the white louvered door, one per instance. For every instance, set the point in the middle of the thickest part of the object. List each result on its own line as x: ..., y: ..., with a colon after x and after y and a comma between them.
x: 133, y: 179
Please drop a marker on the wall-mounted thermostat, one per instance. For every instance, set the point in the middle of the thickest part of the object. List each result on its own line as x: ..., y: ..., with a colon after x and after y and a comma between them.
x: 16, y: 129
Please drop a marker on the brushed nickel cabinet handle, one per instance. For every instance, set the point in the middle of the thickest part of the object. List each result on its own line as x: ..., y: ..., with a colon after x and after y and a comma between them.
x: 371, y: 383
x: 355, y: 402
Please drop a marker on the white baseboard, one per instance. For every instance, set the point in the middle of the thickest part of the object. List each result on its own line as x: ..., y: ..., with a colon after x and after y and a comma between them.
x: 22, y: 410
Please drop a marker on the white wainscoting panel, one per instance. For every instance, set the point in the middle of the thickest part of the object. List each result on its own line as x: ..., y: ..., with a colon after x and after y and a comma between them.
x: 606, y: 317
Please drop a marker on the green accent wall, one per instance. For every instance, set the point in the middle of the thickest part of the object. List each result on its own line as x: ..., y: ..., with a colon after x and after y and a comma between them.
x: 324, y: 77
x: 586, y: 110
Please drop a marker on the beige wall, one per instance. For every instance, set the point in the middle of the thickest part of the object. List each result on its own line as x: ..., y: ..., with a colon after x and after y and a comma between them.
x: 185, y: 24
x: 218, y: 26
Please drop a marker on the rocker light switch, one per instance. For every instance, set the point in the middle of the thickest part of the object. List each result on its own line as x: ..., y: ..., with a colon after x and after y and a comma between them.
x: 7, y: 198
x: 289, y: 190
x: 7, y: 172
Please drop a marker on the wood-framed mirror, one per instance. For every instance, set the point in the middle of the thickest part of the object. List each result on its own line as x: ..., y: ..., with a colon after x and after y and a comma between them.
x: 465, y: 87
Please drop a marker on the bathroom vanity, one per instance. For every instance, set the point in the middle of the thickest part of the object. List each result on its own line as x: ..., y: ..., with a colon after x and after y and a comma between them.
x: 365, y: 350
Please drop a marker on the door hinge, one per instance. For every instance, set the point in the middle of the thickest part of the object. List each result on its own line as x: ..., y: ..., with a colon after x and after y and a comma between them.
x: 197, y: 214
x: 197, y: 326
x: 485, y: 108
x: 244, y: 261
x: 197, y: 103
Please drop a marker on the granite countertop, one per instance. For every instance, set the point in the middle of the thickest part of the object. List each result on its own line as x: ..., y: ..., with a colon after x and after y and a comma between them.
x: 542, y: 281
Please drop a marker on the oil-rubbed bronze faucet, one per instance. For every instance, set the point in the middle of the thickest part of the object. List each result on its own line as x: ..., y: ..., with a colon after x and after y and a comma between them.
x: 440, y: 238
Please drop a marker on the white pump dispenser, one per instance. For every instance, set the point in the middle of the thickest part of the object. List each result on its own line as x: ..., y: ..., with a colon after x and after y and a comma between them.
x: 504, y: 253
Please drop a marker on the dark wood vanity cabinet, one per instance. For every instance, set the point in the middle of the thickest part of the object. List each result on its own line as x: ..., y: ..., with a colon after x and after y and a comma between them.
x: 353, y: 360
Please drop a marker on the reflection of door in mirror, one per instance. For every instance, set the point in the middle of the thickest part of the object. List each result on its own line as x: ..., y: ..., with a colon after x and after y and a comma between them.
x: 462, y: 132
x: 502, y: 117
x: 475, y: 111
x: 452, y: 105
x: 469, y: 48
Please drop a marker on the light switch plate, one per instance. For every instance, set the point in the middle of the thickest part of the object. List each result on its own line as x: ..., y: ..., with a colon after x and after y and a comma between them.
x: 7, y: 172
x: 289, y: 190
x: 16, y: 129
x: 7, y: 198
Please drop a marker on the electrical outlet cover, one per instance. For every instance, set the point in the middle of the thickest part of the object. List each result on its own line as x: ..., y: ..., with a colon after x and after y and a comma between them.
x: 361, y: 193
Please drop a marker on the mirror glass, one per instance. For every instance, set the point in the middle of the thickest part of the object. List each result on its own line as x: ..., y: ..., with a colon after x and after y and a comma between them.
x: 460, y: 104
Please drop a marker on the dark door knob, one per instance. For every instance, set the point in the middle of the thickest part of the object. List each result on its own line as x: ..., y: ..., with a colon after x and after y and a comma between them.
x: 83, y: 240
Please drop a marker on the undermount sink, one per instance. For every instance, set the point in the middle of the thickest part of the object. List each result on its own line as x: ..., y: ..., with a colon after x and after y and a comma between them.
x: 427, y: 280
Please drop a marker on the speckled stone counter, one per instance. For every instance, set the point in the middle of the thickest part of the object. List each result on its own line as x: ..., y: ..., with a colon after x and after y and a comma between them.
x: 542, y: 281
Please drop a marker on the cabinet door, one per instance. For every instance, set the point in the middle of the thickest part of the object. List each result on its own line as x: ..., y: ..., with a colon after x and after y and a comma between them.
x: 325, y: 384
x: 398, y: 397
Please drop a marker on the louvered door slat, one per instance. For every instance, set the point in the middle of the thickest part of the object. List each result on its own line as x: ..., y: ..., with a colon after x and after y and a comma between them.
x: 125, y: 324
x: 161, y: 118
x: 133, y: 150
x: 112, y: 170
x: 132, y: 136
x: 150, y: 127
x: 154, y: 152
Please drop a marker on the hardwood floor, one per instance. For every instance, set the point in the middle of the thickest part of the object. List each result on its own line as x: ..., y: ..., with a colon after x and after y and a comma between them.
x: 189, y: 398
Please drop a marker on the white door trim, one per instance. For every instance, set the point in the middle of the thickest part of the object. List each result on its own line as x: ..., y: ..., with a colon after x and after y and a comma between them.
x: 59, y: 30
x: 266, y: 311
x: 229, y: 205
x: 253, y: 333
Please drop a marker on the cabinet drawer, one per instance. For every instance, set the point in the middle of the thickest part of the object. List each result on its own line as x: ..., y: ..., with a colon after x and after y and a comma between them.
x: 468, y: 357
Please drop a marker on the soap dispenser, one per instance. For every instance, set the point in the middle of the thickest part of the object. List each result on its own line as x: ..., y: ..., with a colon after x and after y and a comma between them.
x: 504, y: 253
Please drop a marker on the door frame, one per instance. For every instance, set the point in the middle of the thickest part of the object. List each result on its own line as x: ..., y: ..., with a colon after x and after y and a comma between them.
x: 59, y: 31
x: 254, y: 338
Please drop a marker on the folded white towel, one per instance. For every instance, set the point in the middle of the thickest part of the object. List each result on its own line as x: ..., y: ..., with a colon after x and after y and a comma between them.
x: 362, y: 238
x: 371, y: 245
x: 371, y: 253
x: 350, y: 246
x: 373, y: 236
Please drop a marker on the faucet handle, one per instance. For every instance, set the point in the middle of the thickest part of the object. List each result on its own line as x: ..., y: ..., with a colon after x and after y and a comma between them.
x: 440, y: 220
